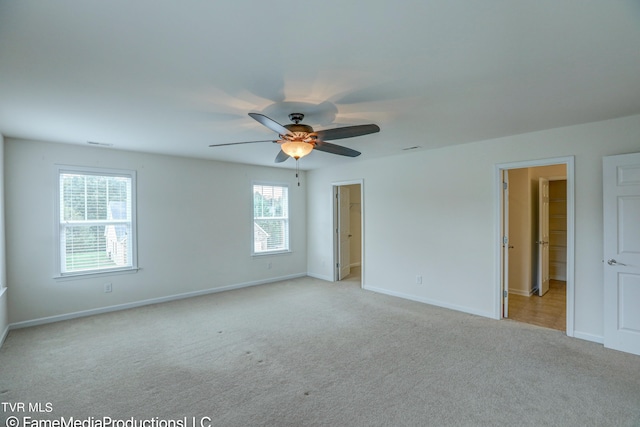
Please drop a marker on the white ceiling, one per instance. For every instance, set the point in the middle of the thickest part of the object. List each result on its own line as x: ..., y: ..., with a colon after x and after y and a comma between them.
x: 174, y: 77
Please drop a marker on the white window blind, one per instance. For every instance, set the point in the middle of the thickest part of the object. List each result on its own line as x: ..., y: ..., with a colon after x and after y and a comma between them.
x: 96, y: 220
x: 270, y: 218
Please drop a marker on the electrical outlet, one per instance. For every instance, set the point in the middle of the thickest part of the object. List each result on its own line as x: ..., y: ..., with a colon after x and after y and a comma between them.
x: 418, y: 280
x: 107, y: 287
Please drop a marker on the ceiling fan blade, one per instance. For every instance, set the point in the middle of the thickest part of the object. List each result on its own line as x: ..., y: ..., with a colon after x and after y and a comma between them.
x: 237, y: 143
x: 347, y: 132
x: 271, y: 124
x: 335, y: 149
x: 281, y: 157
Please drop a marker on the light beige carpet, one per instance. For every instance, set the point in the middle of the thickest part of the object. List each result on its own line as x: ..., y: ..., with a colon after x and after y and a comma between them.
x: 306, y: 352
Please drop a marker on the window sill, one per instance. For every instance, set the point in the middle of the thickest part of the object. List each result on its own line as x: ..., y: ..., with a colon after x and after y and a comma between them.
x: 76, y: 276
x: 259, y: 254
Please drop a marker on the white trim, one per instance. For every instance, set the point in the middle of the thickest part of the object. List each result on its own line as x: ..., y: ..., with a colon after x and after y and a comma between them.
x: 429, y: 301
x: 498, y: 245
x: 588, y: 337
x: 3, y: 337
x: 3, y: 291
x: 106, y: 272
x: 260, y: 254
x: 520, y: 292
x: 288, y: 249
x: 85, y: 313
x: 569, y: 161
x: 88, y: 170
x: 334, y: 207
x: 321, y: 277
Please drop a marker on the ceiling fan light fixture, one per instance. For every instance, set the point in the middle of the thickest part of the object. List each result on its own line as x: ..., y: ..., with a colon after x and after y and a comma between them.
x: 297, y: 139
x: 296, y: 149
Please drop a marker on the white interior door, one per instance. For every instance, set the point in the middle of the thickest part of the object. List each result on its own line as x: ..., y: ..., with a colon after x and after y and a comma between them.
x: 543, y: 236
x: 344, y: 233
x: 621, y: 198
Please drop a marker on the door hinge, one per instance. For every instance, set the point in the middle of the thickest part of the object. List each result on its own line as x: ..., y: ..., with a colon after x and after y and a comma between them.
x: 337, y: 265
x: 505, y: 240
x: 505, y: 294
x: 504, y: 185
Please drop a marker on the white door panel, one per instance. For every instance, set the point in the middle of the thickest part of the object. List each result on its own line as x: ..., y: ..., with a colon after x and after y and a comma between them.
x: 621, y: 197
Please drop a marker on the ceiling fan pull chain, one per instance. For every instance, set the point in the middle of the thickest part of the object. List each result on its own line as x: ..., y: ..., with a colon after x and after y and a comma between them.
x: 298, y: 171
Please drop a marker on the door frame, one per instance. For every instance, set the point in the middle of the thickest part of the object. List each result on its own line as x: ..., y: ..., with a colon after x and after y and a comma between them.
x: 569, y: 162
x: 336, y: 239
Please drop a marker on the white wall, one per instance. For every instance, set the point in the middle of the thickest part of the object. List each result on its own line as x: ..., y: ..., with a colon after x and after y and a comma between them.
x: 194, y: 229
x: 447, y: 197
x: 4, y: 311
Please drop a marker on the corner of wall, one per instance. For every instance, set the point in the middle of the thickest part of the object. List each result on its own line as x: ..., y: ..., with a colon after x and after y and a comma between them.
x: 4, y: 308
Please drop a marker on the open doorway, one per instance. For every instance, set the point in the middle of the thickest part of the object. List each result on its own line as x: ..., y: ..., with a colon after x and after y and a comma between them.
x: 348, y: 205
x: 536, y: 247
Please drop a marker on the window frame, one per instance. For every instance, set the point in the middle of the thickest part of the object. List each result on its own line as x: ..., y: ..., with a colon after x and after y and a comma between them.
x: 132, y: 246
x: 287, y: 248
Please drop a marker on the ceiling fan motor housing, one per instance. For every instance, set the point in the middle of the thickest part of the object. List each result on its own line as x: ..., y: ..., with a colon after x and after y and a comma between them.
x: 298, y: 139
x: 296, y: 117
x: 299, y: 128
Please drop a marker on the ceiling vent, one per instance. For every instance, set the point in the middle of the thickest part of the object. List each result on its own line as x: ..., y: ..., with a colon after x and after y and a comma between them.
x: 100, y: 144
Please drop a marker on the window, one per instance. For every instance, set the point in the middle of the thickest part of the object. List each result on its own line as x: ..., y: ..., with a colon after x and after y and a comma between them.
x: 270, y: 218
x: 96, y: 220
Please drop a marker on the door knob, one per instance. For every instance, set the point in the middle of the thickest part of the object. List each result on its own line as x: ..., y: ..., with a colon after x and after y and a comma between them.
x: 614, y: 262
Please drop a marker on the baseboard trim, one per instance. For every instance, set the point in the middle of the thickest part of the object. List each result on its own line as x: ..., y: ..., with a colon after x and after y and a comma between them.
x: 4, y: 335
x: 430, y: 302
x: 321, y: 277
x: 3, y: 299
x: 159, y: 300
x: 521, y: 292
x: 588, y: 337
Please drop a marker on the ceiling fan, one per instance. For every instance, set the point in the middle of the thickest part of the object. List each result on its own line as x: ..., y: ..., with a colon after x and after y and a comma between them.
x: 297, y: 140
